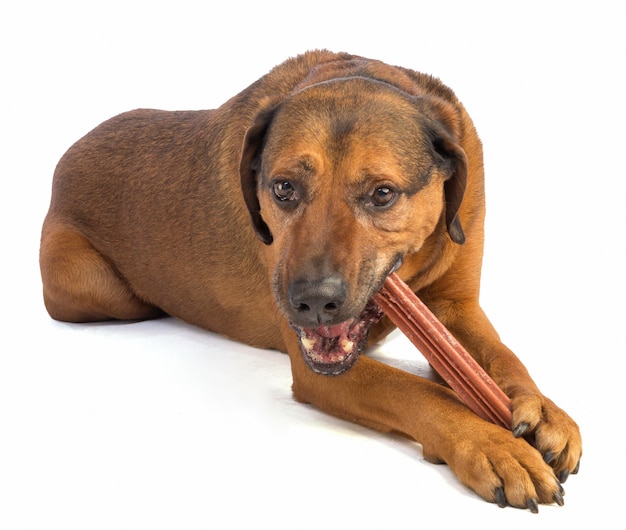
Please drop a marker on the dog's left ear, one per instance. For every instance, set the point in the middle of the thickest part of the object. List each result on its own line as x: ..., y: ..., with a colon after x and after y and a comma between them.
x: 249, y: 167
x: 453, y: 156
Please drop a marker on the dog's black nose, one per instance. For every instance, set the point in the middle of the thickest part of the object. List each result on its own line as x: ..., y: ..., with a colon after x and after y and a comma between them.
x: 319, y: 301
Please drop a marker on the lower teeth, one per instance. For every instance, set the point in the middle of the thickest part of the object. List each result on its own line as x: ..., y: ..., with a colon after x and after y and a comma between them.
x: 347, y: 345
x: 307, y: 343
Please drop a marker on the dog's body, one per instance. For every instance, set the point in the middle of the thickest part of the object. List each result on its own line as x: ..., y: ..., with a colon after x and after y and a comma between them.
x: 349, y: 169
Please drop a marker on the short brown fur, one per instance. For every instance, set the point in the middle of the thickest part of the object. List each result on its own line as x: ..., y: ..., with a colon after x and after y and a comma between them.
x: 158, y: 212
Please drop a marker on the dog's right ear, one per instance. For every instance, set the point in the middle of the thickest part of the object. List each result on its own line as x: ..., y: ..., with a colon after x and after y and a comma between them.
x: 250, y: 166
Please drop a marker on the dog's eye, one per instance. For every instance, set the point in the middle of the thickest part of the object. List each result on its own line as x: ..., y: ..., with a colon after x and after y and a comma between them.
x: 285, y: 191
x: 383, y: 196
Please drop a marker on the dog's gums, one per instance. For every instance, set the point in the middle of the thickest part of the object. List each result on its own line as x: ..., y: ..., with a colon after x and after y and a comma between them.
x: 331, y: 350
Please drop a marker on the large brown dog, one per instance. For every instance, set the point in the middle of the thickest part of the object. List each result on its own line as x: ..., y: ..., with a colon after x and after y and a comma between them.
x: 275, y: 218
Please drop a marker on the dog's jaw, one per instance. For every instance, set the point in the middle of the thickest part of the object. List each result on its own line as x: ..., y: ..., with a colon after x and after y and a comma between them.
x: 331, y: 350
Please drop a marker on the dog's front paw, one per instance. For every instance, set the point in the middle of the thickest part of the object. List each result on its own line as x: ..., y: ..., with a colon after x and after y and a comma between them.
x: 555, y: 435
x: 502, y: 469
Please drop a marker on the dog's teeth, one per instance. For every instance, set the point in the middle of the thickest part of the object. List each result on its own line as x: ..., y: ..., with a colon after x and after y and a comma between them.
x: 347, y: 345
x: 308, y: 343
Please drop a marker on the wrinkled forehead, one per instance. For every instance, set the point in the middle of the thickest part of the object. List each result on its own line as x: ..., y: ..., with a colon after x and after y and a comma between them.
x: 346, y: 115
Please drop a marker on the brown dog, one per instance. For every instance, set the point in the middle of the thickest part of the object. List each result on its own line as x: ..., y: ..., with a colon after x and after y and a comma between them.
x: 349, y: 169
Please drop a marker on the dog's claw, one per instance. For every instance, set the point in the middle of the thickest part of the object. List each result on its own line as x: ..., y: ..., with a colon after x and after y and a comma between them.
x: 576, y: 468
x: 563, y: 475
x: 501, y: 498
x: 532, y: 505
x: 558, y: 498
x: 549, y: 456
x: 520, y: 429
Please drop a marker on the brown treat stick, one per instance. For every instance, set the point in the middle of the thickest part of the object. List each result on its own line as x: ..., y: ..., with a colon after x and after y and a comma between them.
x: 449, y: 358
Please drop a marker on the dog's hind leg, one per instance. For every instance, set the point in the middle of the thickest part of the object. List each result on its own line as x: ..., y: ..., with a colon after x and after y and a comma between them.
x: 80, y: 285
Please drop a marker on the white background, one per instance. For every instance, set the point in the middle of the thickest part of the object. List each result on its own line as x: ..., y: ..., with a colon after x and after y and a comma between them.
x: 161, y: 425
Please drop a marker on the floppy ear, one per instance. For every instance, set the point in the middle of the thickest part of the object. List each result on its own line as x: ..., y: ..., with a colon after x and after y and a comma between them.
x: 249, y: 166
x: 454, y: 187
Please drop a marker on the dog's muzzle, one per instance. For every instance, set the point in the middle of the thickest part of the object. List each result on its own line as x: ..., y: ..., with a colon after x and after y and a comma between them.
x: 332, y: 349
x: 329, y: 344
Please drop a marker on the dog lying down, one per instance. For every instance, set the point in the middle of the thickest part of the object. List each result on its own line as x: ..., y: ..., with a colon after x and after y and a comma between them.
x: 274, y: 220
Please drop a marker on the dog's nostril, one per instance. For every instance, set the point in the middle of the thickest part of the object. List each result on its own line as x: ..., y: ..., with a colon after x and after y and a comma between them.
x: 303, y: 308
x: 331, y: 307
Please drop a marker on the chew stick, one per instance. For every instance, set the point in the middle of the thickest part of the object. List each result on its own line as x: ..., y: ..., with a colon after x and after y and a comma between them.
x: 445, y: 354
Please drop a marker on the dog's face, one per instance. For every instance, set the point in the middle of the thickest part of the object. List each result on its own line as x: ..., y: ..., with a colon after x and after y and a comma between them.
x: 343, y: 180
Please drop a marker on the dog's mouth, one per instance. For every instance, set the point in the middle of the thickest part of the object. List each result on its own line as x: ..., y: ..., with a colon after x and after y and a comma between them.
x: 331, y: 350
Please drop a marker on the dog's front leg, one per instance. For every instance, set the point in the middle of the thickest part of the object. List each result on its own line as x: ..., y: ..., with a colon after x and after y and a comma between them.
x: 485, y: 457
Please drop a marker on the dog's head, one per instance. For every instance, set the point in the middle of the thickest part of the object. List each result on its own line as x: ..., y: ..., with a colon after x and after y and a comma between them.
x: 343, y: 179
